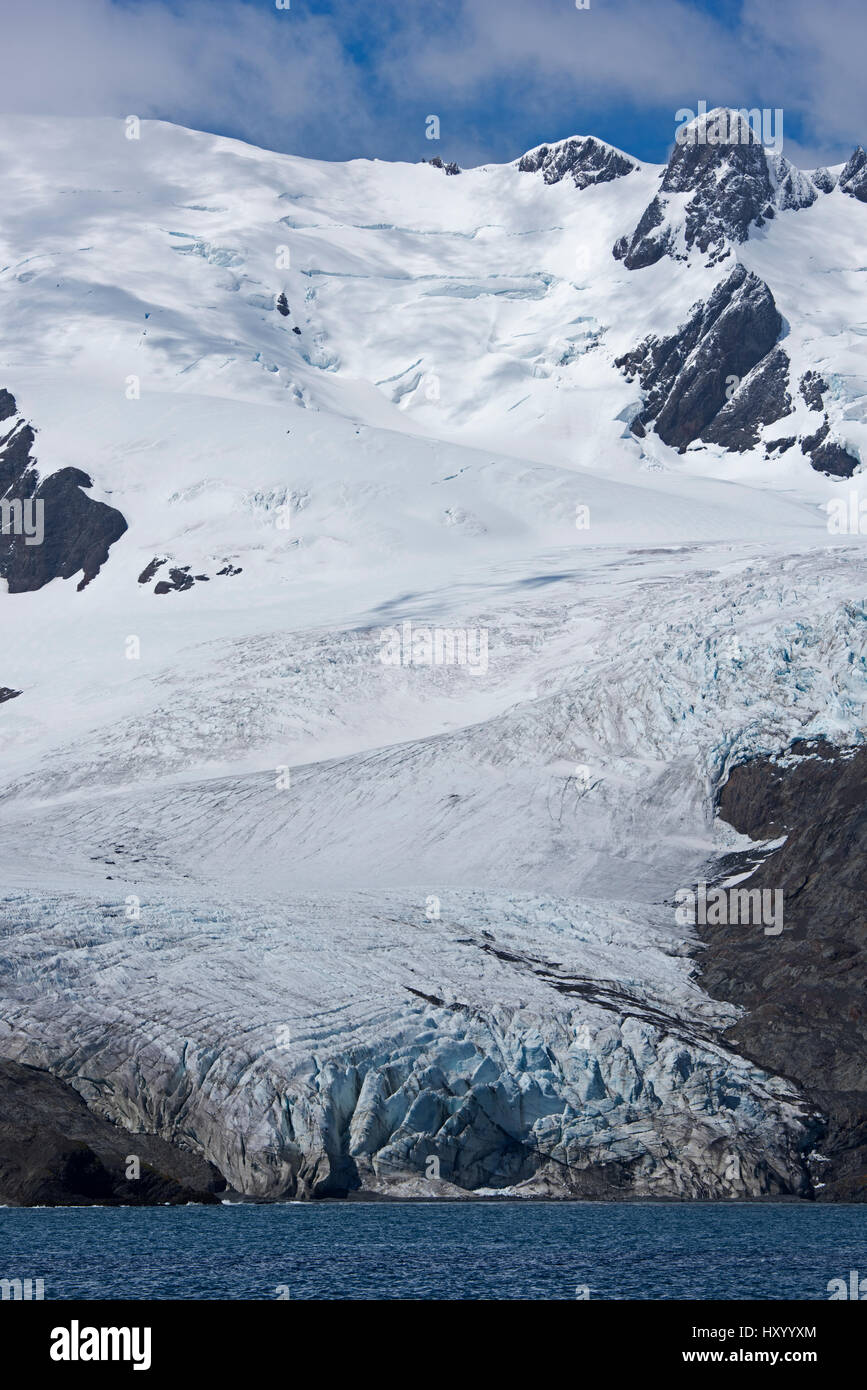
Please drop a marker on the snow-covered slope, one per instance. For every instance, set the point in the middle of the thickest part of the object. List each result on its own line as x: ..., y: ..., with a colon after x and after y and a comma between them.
x: 321, y: 917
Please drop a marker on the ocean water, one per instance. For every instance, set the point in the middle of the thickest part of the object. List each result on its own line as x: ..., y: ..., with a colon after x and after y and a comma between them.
x: 508, y: 1250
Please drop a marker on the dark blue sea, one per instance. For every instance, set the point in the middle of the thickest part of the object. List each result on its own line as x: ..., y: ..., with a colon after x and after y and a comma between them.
x: 502, y: 1250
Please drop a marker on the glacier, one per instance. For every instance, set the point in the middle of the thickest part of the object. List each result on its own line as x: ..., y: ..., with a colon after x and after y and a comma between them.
x: 339, y: 926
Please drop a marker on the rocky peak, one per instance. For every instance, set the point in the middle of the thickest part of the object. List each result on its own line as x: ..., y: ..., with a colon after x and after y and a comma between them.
x: 853, y: 179
x: 823, y: 180
x: 734, y: 183
x: 709, y: 146
x: 587, y: 159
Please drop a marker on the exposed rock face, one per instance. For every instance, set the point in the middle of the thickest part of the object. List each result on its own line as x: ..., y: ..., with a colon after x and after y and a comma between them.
x: 834, y: 459
x: 813, y: 386
x: 781, y: 445
x: 150, y: 570
x: 686, y: 376
x: 853, y: 179
x: 793, y: 189
x: 450, y: 168
x: 762, y: 398
x: 78, y: 531
x: 804, y: 990
x: 180, y: 579
x: 587, y: 160
x: 827, y: 455
x: 721, y: 378
x: 810, y: 442
x: 731, y: 188
x: 823, y: 180
x: 734, y: 185
x: 56, y: 1152
x: 650, y: 241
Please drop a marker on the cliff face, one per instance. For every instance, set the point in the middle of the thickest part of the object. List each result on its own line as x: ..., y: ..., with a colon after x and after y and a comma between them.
x: 804, y: 991
x: 54, y: 1151
x: 685, y: 376
x: 70, y: 533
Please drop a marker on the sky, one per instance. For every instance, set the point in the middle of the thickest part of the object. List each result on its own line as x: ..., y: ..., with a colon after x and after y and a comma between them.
x: 345, y: 79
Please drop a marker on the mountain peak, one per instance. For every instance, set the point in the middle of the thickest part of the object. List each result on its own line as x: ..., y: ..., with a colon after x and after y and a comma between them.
x: 724, y: 125
x: 853, y: 179
x: 587, y: 159
x: 735, y: 181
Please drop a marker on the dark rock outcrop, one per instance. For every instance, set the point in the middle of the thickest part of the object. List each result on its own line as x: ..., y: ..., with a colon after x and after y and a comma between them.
x: 853, y: 179
x: 809, y: 442
x: 805, y: 991
x: 686, y: 377
x: 150, y: 570
x: 450, y: 168
x: 834, y: 459
x: 731, y: 188
x: 781, y: 445
x: 180, y: 578
x: 827, y: 455
x: 813, y: 387
x: 586, y: 159
x: 77, y: 532
x: 794, y: 191
x: 55, y: 1152
x: 823, y: 180
x: 734, y: 185
x: 760, y: 399
x: 649, y: 242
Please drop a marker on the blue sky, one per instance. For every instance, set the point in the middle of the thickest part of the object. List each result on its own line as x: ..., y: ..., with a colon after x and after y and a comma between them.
x: 340, y: 79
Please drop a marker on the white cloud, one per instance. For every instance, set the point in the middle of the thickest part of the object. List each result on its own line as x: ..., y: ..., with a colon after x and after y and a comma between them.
x: 497, y: 71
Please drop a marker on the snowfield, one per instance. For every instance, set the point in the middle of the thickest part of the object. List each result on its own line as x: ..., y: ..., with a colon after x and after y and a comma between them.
x: 332, y: 922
